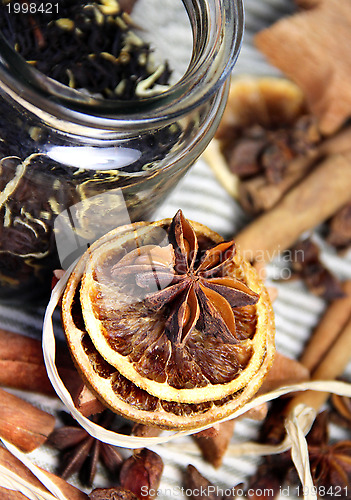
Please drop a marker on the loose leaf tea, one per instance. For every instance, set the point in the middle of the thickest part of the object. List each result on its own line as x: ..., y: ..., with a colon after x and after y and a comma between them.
x: 84, y: 45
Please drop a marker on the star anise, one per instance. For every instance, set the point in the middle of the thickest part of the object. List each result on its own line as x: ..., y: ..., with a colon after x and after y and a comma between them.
x: 307, y: 265
x: 330, y: 463
x: 269, y: 150
x: 195, y: 285
x: 80, y: 452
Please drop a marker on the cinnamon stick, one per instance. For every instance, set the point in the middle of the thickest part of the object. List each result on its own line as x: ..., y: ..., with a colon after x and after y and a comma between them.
x: 326, y: 189
x: 6, y: 494
x: 320, y: 67
x: 22, y: 364
x: 16, y: 466
x: 22, y: 424
x: 332, y: 365
x: 328, y: 329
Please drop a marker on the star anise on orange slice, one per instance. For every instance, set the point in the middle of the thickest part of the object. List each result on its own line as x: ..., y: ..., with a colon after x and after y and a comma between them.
x: 196, y: 286
x: 168, y: 324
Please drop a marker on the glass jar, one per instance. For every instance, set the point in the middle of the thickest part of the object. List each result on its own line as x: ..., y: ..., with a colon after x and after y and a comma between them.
x: 74, y: 165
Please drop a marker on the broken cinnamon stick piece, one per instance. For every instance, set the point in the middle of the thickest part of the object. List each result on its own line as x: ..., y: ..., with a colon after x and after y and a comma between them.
x: 328, y: 329
x: 16, y: 466
x: 22, y: 424
x: 210, y: 432
x: 284, y: 371
x: 87, y: 403
x: 195, y: 482
x: 213, y: 448
x: 311, y: 202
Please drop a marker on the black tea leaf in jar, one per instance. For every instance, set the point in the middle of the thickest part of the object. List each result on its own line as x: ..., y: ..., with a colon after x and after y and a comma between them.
x: 99, y: 121
x: 86, y: 46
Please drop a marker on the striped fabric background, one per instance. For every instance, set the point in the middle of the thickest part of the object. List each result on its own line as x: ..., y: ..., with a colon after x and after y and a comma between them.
x: 201, y: 198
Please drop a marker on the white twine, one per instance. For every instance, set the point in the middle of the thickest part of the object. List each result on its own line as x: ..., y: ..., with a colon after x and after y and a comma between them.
x: 297, y: 426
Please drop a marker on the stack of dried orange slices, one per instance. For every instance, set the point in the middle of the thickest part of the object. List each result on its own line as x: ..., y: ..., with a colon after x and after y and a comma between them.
x: 168, y: 325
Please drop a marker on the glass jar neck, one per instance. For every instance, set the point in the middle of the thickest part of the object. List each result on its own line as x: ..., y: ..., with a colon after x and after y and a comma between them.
x: 217, y: 28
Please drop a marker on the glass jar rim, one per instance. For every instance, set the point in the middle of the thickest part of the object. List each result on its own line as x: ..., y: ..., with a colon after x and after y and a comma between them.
x: 217, y: 27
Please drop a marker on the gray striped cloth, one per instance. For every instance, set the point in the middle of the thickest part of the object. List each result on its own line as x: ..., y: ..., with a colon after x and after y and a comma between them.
x: 202, y: 199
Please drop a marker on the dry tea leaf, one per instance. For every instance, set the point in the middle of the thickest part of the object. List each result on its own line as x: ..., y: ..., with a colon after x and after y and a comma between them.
x: 308, y: 4
x: 127, y: 5
x: 313, y: 49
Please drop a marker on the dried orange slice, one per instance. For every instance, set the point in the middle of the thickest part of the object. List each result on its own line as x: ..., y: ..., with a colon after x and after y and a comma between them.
x: 168, y: 324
